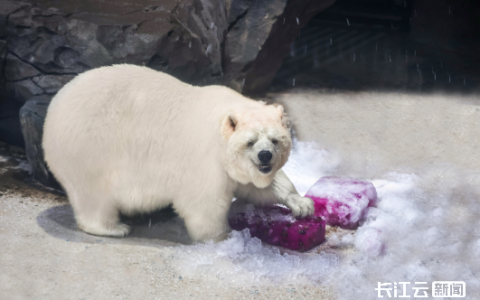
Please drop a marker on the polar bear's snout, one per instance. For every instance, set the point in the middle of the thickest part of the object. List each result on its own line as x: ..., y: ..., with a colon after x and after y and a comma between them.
x: 265, y: 157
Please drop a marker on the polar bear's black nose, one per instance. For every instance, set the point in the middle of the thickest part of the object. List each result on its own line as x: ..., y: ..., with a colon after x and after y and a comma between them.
x: 265, y: 156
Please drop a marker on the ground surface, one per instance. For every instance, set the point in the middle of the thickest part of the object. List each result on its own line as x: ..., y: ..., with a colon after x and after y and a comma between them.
x: 366, y: 136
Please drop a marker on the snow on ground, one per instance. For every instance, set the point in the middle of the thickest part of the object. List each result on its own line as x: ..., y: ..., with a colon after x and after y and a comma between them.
x: 422, y: 230
x: 243, y: 260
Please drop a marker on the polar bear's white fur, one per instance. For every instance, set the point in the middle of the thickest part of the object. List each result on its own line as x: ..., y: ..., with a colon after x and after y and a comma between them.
x: 130, y: 139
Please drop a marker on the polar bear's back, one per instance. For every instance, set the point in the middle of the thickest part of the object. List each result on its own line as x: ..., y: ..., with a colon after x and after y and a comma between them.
x: 124, y: 128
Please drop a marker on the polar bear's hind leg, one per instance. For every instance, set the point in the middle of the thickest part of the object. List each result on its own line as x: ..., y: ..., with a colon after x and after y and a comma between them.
x: 114, y: 229
x: 98, y: 217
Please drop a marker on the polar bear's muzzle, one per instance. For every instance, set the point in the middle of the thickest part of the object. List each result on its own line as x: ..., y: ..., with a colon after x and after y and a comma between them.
x: 264, y: 168
x: 265, y: 157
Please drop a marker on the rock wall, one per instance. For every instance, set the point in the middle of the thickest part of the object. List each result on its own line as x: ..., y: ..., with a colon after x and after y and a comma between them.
x: 32, y: 116
x: 49, y: 42
x: 43, y: 44
x: 238, y: 43
x: 259, y: 37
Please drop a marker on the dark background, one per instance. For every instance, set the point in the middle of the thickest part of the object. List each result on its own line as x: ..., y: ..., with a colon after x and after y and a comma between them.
x: 405, y: 46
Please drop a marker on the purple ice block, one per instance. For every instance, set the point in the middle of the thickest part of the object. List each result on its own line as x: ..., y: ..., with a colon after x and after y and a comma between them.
x: 342, y: 201
x: 338, y: 202
x: 277, y: 226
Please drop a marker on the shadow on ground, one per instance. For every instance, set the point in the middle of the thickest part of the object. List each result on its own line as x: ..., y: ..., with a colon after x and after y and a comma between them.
x: 162, y: 228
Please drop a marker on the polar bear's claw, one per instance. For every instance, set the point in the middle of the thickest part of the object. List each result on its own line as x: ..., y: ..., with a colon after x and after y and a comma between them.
x: 301, y: 206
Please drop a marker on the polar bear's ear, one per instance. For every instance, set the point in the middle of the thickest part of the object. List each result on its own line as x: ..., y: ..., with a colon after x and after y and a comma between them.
x: 233, y: 120
x: 228, y: 125
x: 283, y: 117
x: 280, y: 108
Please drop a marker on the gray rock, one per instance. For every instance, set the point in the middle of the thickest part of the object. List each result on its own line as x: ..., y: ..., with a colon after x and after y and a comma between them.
x: 181, y: 38
x: 10, y: 129
x: 8, y: 7
x: 15, y: 69
x: 251, y: 24
x: 24, y: 89
x: 198, y: 41
x: 259, y: 38
x: 32, y: 117
x: 3, y: 56
x: 52, y: 83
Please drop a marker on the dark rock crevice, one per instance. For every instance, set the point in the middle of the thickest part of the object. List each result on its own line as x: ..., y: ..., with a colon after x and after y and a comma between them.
x: 38, y: 69
x: 239, y: 17
x: 251, y: 68
x: 24, y: 80
x: 9, y: 9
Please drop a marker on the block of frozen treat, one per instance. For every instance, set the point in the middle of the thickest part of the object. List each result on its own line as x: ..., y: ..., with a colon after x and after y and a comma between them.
x: 338, y: 202
x: 276, y: 226
x: 342, y: 201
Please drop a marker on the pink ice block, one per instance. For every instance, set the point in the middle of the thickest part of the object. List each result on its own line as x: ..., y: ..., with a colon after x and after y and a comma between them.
x: 342, y: 201
x: 338, y: 202
x: 277, y: 226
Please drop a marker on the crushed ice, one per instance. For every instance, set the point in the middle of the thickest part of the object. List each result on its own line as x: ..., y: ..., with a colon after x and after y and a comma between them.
x: 423, y: 229
x: 244, y: 260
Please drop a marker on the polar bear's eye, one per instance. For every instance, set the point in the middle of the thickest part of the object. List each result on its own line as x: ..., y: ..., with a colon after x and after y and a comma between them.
x: 250, y: 144
x: 274, y: 141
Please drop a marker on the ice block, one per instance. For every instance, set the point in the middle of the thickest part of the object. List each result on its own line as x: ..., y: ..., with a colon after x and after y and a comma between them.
x: 342, y: 201
x: 277, y: 226
x: 338, y: 202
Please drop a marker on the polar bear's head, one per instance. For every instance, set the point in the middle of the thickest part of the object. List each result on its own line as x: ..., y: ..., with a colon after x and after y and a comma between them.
x: 258, y: 144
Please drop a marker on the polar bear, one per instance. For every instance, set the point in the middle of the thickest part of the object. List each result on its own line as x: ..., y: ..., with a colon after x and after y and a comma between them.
x: 128, y: 139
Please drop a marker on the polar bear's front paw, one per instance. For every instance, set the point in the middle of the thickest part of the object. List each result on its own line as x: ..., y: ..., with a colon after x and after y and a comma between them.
x: 301, y: 206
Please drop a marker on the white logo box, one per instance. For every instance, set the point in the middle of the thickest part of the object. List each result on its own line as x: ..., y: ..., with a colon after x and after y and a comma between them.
x: 448, y: 289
